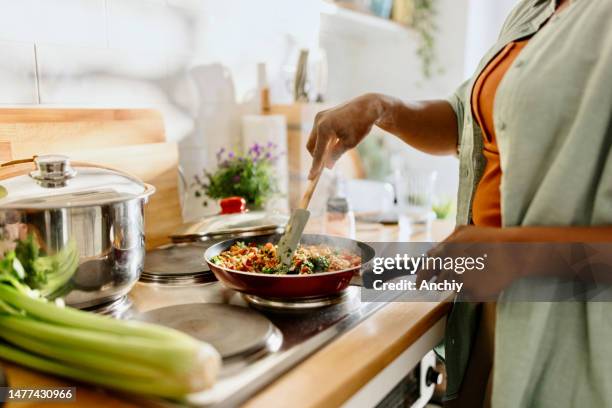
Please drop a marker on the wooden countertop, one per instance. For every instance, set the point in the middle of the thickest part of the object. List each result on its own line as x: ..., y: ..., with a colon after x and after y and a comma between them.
x: 327, y: 378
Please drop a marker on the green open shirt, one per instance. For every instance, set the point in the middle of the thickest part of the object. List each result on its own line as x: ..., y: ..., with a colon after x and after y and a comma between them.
x: 553, y: 122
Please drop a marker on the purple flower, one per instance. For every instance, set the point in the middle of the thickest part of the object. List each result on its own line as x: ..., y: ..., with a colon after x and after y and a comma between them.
x: 231, y: 155
x: 255, y: 150
x: 236, y: 178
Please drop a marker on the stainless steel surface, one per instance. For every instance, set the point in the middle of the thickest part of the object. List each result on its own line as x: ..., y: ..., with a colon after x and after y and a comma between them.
x: 233, y: 330
x: 301, y: 304
x: 115, y: 308
x: 181, y: 280
x: 303, y: 332
x: 84, y: 215
x: 176, y: 259
x: 229, y: 226
x: 52, y: 171
x: 53, y: 182
x: 177, y: 264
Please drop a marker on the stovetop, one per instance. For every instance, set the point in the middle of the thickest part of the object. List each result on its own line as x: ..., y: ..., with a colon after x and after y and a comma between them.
x: 296, y: 334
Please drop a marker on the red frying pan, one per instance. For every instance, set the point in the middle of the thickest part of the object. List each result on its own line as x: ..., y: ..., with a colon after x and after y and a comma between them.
x: 290, y: 286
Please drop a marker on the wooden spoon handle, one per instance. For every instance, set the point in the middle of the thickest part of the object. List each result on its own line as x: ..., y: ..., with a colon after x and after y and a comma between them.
x: 312, y: 183
x: 310, y: 188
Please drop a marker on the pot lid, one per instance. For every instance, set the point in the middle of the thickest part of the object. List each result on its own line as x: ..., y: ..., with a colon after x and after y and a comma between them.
x: 52, y: 181
x: 231, y: 224
x: 177, y: 264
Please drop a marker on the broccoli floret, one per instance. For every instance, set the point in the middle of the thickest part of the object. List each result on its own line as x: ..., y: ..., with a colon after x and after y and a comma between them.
x: 276, y: 270
x: 319, y: 264
x: 308, y: 265
x: 268, y: 270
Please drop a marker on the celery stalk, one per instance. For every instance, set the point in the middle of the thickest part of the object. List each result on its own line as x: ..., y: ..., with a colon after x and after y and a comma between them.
x: 172, y: 355
x: 125, y: 355
x: 76, y: 318
x: 6, y: 308
x: 160, y: 387
x: 81, y: 359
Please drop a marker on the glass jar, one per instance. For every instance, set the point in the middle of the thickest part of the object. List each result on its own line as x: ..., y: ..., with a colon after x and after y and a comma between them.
x: 340, y: 219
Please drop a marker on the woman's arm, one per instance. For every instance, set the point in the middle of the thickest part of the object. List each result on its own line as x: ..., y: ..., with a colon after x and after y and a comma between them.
x: 429, y: 126
x: 550, y: 251
x: 474, y: 234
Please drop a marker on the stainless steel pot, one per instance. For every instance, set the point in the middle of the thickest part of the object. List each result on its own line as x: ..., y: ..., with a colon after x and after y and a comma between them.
x: 80, y: 215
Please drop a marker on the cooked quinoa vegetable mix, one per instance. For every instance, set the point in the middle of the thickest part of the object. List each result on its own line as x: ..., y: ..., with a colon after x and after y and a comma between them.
x: 308, y: 259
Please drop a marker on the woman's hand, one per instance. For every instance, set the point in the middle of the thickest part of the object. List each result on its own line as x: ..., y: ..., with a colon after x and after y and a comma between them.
x: 501, y: 268
x: 341, y: 128
x: 428, y: 126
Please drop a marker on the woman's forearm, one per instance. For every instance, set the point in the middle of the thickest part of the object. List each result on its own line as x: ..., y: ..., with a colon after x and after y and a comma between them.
x: 429, y: 126
x: 572, y: 252
x: 556, y: 234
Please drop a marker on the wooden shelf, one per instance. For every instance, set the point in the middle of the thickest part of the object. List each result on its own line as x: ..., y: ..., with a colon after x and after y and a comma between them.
x: 363, y: 17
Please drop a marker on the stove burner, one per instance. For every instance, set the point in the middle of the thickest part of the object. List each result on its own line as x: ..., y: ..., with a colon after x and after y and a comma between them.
x: 205, y: 277
x: 233, y: 330
x: 177, y: 264
x: 298, y: 304
x: 115, y: 308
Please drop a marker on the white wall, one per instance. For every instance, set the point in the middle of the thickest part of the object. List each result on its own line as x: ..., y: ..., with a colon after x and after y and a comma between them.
x: 485, y: 19
x: 195, y: 60
x: 382, y: 58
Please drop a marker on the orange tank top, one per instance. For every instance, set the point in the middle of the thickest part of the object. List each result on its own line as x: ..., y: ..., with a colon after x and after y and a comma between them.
x: 486, y: 206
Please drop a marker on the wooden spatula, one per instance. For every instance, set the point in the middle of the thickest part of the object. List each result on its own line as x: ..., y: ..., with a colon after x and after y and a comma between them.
x: 296, y: 224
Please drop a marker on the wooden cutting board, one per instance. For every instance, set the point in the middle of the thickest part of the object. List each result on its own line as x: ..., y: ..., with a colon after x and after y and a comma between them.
x: 57, y: 130
x: 131, y: 140
x: 155, y: 164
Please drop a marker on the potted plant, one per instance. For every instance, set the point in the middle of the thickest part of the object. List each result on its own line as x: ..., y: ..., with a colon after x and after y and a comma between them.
x: 248, y: 175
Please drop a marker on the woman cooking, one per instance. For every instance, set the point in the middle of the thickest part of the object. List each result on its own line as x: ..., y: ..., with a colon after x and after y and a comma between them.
x: 533, y: 131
